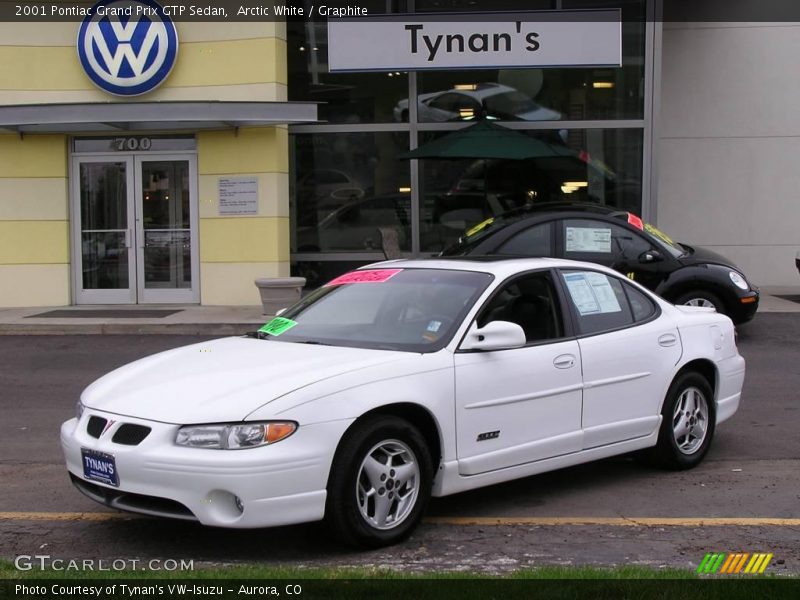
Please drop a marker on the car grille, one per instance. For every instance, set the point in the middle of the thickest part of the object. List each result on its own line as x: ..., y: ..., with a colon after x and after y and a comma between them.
x: 96, y: 426
x: 128, y: 434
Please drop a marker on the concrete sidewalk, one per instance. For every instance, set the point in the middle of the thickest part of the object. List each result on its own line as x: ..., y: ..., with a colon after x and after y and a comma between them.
x: 204, y: 320
x: 188, y: 320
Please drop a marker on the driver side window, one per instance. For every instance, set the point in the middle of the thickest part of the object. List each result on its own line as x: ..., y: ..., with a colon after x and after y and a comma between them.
x: 529, y: 301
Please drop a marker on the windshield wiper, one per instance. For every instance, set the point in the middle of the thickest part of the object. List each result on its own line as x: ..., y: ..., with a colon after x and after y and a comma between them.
x: 259, y: 335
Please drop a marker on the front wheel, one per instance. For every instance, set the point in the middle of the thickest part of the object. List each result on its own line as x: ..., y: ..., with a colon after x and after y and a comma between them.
x: 702, y: 298
x: 380, y: 483
x: 687, y: 424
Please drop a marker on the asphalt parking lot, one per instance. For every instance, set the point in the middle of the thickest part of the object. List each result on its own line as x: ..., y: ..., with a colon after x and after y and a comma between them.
x: 744, y: 497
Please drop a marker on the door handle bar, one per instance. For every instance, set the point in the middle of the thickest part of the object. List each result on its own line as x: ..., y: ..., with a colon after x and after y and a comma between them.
x: 564, y: 361
x: 667, y: 340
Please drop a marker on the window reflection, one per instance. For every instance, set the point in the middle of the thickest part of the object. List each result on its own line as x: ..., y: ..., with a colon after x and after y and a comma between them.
x: 344, y: 97
x: 474, y: 100
x: 105, y: 260
x: 346, y: 187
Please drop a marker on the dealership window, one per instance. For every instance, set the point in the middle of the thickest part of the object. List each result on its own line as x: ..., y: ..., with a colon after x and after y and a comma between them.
x: 346, y: 98
x: 352, y: 158
x: 603, y: 166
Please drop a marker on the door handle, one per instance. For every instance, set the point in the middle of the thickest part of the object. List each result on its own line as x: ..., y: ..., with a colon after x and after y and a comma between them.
x: 667, y: 340
x: 564, y: 361
x: 127, y: 238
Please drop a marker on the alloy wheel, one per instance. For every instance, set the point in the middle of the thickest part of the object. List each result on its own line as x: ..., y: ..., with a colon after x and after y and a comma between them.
x: 387, y: 485
x: 690, y: 420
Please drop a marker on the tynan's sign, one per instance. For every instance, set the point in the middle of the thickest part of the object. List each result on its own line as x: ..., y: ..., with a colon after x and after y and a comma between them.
x: 469, y: 41
x: 127, y: 47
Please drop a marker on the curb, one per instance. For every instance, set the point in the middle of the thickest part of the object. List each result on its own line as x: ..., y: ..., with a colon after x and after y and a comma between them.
x: 128, y: 328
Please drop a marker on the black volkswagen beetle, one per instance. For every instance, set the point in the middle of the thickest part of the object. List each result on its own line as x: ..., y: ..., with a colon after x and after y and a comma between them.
x: 678, y: 272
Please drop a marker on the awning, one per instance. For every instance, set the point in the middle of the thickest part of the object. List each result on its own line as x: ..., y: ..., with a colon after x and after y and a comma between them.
x: 151, y: 116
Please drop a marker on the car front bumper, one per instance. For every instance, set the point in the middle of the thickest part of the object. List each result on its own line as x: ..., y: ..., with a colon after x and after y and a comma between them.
x: 744, y: 306
x: 279, y: 484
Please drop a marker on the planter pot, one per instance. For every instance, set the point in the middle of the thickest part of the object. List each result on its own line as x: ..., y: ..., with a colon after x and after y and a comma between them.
x: 279, y: 292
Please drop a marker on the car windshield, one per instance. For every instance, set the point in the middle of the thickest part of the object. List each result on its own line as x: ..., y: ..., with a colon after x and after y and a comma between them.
x: 413, y: 310
x: 674, y: 248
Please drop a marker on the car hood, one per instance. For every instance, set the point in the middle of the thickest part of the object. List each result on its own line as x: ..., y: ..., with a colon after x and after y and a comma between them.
x: 222, y: 380
x: 704, y: 256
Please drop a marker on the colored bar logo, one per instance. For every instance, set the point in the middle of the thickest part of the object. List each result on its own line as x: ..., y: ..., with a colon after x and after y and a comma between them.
x: 734, y: 563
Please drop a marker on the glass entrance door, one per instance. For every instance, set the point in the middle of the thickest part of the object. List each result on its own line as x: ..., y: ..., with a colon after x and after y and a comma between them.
x: 166, y: 271
x: 134, y: 229
x: 103, y: 231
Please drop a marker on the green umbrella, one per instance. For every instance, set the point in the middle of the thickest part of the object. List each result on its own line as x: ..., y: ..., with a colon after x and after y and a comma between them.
x: 488, y: 140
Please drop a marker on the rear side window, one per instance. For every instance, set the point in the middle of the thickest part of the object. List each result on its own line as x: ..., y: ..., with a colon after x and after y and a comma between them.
x: 642, y: 307
x: 533, y: 241
x: 599, y: 301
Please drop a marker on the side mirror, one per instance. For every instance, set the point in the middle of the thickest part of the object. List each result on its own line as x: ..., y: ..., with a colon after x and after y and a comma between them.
x: 497, y: 335
x: 650, y: 256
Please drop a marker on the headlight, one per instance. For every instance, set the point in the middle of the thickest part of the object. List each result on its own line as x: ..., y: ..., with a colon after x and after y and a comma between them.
x: 234, y: 436
x: 738, y: 280
x: 79, y: 410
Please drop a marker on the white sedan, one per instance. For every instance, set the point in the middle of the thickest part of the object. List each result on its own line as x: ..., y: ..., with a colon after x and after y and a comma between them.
x: 400, y: 381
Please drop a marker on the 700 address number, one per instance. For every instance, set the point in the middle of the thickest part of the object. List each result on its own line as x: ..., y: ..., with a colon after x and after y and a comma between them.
x: 131, y: 144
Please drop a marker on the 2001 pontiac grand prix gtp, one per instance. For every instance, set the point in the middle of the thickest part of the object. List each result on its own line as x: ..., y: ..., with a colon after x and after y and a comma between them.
x: 403, y: 380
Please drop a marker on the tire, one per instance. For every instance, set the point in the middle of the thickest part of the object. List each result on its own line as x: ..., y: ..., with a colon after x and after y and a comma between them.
x: 370, y: 504
x: 702, y: 298
x: 687, y: 424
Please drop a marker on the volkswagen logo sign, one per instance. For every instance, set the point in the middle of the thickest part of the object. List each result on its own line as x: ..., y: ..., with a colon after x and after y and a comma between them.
x: 127, y: 47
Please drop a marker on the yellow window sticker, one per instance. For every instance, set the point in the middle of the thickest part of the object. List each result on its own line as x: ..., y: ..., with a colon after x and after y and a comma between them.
x: 480, y: 227
x: 658, y: 233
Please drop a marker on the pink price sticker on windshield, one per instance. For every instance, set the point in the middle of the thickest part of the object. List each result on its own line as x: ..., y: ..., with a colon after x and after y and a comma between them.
x: 375, y: 276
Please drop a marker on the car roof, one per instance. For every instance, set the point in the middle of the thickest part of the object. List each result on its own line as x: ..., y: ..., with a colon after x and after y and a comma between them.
x: 500, y: 266
x: 553, y: 207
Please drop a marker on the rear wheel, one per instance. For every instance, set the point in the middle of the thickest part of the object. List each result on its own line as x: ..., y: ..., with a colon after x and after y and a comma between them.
x: 687, y: 425
x: 380, y: 483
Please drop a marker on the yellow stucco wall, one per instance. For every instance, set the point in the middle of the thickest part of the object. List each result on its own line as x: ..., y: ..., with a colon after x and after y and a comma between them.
x: 216, y: 61
x: 34, y: 226
x: 235, y: 250
x: 200, y: 64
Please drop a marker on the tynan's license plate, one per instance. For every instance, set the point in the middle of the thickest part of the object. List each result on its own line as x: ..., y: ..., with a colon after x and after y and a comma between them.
x: 99, y: 466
